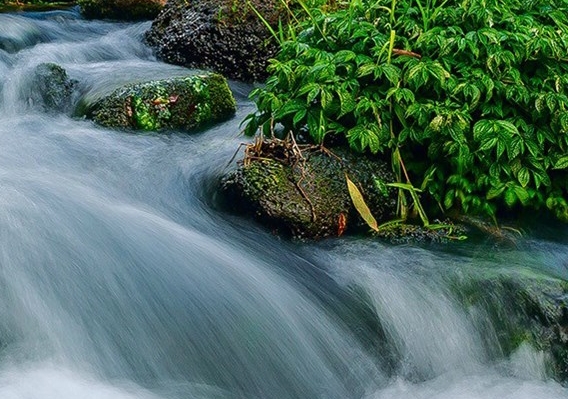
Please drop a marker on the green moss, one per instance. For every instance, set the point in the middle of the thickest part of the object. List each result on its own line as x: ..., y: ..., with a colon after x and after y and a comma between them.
x: 222, y: 105
x: 308, y: 199
x: 185, y: 103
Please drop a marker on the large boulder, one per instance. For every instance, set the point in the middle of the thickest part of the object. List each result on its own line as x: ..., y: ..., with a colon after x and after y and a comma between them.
x: 521, y: 307
x: 224, y: 36
x: 304, y: 194
x: 125, y: 10
x: 52, y: 89
x: 183, y: 103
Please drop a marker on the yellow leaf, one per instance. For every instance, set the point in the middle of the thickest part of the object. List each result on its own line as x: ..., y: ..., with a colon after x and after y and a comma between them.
x: 360, y: 204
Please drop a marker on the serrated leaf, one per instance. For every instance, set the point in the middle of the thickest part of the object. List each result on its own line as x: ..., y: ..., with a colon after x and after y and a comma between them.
x: 360, y: 204
x: 392, y: 73
x: 510, y: 197
x: 326, y: 99
x: 346, y: 101
x: 366, y: 69
x: 494, y: 192
x: 522, y: 194
x: 488, y: 144
x: 561, y: 163
x: 524, y: 176
x: 299, y: 116
x: 313, y: 94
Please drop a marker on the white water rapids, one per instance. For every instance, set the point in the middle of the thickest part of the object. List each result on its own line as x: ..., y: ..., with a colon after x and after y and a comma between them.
x: 119, y: 278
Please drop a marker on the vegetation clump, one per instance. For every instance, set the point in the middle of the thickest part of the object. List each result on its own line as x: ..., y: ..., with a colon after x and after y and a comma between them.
x: 466, y: 98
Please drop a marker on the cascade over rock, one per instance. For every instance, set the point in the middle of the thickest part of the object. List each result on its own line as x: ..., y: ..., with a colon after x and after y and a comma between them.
x: 525, y: 307
x: 52, y: 88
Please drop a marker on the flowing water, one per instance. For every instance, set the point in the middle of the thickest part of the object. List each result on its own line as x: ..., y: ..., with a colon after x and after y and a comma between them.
x: 120, y: 279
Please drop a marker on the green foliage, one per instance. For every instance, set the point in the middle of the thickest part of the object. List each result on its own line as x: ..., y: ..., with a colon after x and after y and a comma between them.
x: 471, y: 94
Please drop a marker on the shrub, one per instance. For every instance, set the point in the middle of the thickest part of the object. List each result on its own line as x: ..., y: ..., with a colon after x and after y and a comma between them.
x: 467, y: 98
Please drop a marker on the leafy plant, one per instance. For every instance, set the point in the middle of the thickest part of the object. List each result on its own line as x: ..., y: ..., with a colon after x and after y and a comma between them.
x: 467, y: 96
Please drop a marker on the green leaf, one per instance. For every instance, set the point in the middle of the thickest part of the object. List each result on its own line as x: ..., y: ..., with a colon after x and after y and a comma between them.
x: 522, y: 194
x: 326, y: 99
x: 366, y: 69
x: 495, y: 192
x: 381, y: 187
x: 488, y: 144
x: 361, y: 205
x: 346, y: 101
x: 524, y: 176
x: 392, y: 73
x: 561, y: 163
x: 299, y: 116
x: 449, y: 199
x: 510, y: 197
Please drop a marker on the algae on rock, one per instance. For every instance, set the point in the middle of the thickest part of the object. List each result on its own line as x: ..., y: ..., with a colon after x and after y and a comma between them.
x: 184, y: 103
x: 309, y: 198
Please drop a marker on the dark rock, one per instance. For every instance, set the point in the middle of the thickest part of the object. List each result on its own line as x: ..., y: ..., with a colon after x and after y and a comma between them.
x: 523, y: 306
x: 179, y: 103
x: 124, y: 10
x: 52, y: 89
x: 219, y: 35
x: 309, y: 198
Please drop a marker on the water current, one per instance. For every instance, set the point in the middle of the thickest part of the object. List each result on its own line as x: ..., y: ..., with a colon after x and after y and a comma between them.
x: 119, y: 277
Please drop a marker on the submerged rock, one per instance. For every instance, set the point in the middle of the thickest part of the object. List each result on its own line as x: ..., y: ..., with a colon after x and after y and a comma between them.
x: 308, y: 197
x: 523, y: 307
x: 182, y: 103
x: 124, y: 10
x: 219, y: 35
x: 52, y: 89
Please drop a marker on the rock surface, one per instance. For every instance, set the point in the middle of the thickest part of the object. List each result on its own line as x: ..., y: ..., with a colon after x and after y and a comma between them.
x: 308, y: 198
x: 184, y: 103
x: 52, y: 88
x: 524, y: 307
x: 224, y: 36
x: 124, y: 10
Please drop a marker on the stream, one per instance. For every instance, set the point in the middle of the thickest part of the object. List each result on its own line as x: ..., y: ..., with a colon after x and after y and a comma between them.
x: 120, y: 277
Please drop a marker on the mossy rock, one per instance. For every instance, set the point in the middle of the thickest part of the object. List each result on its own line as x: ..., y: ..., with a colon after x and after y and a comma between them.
x: 124, y: 10
x: 523, y: 306
x: 52, y: 89
x: 184, y: 103
x: 224, y: 36
x: 309, y: 198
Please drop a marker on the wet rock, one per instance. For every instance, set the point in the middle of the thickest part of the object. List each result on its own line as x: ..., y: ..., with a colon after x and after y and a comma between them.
x: 219, y: 35
x: 308, y: 198
x: 124, y: 10
x: 184, y: 103
x: 403, y: 233
x: 52, y: 89
x: 524, y: 307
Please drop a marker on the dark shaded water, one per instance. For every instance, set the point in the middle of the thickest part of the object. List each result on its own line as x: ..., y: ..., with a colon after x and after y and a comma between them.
x: 119, y: 279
